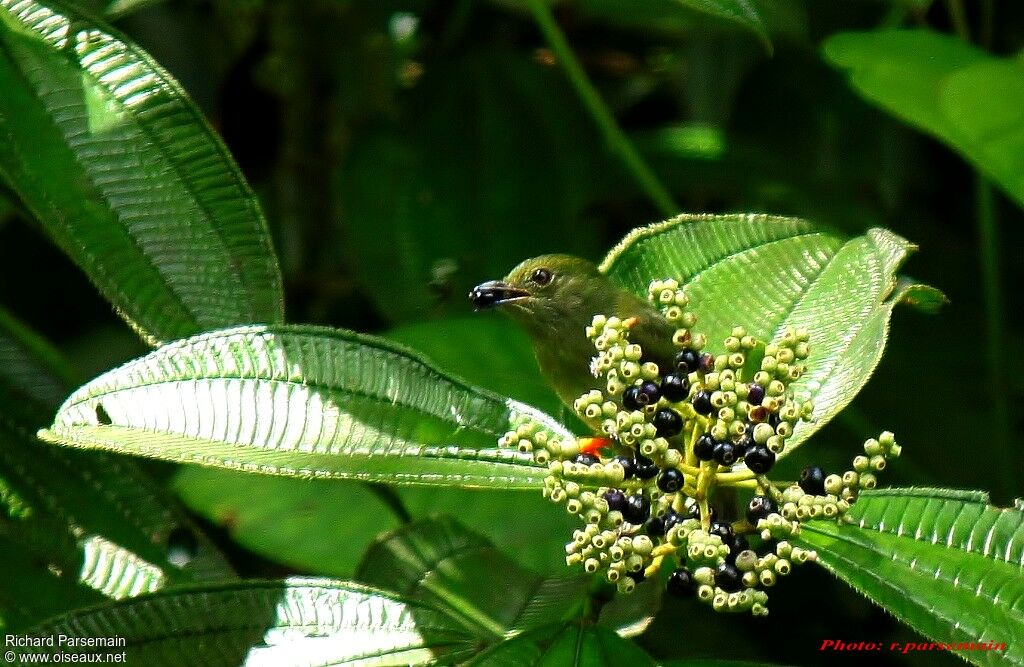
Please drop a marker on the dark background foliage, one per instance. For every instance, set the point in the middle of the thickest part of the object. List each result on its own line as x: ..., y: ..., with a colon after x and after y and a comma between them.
x: 405, y: 151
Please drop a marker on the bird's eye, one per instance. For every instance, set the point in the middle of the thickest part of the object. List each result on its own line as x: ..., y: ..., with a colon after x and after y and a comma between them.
x: 541, y: 277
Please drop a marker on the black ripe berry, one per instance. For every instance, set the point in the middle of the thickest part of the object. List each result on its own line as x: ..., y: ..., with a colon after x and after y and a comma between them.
x: 672, y: 518
x: 586, y: 459
x: 680, y: 584
x: 702, y: 403
x: 675, y: 387
x: 670, y: 480
x: 760, y: 459
x: 616, y: 500
x: 637, y: 509
x: 812, y: 480
x: 644, y: 468
x: 655, y: 526
x: 745, y: 444
x: 759, y: 508
x: 723, y: 529
x: 688, y: 361
x: 725, y: 453
x: 668, y: 422
x: 630, y: 398
x: 728, y: 578
x: 636, y: 398
x: 704, y: 448
x: 707, y: 362
x: 627, y: 465
x: 737, y: 544
x: 755, y: 394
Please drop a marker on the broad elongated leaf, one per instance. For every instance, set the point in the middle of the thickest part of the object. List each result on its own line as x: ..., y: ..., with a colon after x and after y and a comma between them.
x: 307, y: 622
x: 441, y: 563
x: 77, y: 526
x: 570, y: 645
x: 284, y: 519
x: 488, y: 350
x: 945, y: 562
x: 305, y: 402
x: 541, y: 523
x: 942, y: 85
x: 769, y: 273
x: 118, y: 165
x: 742, y: 12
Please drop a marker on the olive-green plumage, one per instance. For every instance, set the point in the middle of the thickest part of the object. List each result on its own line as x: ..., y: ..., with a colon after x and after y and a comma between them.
x: 554, y: 298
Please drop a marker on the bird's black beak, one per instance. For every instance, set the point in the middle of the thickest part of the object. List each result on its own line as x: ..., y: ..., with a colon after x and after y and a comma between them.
x: 494, y: 293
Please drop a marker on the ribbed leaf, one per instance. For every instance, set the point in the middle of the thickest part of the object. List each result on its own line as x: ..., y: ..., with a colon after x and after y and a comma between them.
x: 107, y: 151
x: 942, y: 85
x: 945, y: 562
x: 76, y: 525
x: 283, y: 519
x: 768, y: 273
x: 488, y: 350
x: 569, y: 646
x: 300, y: 401
x: 742, y: 12
x: 442, y: 563
x: 300, y: 622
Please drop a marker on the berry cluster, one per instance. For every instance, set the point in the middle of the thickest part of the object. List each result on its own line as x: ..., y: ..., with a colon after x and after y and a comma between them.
x: 669, y: 438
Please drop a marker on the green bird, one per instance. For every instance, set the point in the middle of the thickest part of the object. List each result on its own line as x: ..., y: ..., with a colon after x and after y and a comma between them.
x: 554, y: 298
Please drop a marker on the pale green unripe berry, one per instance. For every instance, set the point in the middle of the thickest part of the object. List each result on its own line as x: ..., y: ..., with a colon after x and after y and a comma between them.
x: 762, y: 432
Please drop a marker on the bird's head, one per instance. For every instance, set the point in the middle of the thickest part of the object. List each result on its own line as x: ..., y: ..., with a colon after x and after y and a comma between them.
x: 545, y: 293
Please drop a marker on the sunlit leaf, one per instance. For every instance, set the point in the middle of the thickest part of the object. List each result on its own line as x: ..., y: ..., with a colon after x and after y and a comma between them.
x: 77, y: 526
x: 304, y: 402
x: 769, y: 273
x: 945, y: 562
x: 300, y: 622
x: 970, y: 100
x: 441, y: 563
x: 571, y: 645
x: 107, y: 151
x: 488, y: 350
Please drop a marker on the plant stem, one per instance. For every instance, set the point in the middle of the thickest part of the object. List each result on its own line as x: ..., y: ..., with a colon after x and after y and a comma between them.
x: 616, y: 138
x: 988, y: 239
x: 389, y: 497
x: 959, y: 18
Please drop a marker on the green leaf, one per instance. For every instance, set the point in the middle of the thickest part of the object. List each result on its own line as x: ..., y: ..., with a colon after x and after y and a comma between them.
x: 955, y: 92
x: 769, y: 273
x: 308, y: 622
x: 441, y: 563
x: 282, y: 519
x: 77, y: 526
x: 742, y: 12
x: 487, y: 350
x: 945, y: 562
x: 570, y: 645
x: 304, y: 402
x: 107, y: 151
x: 543, y: 524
